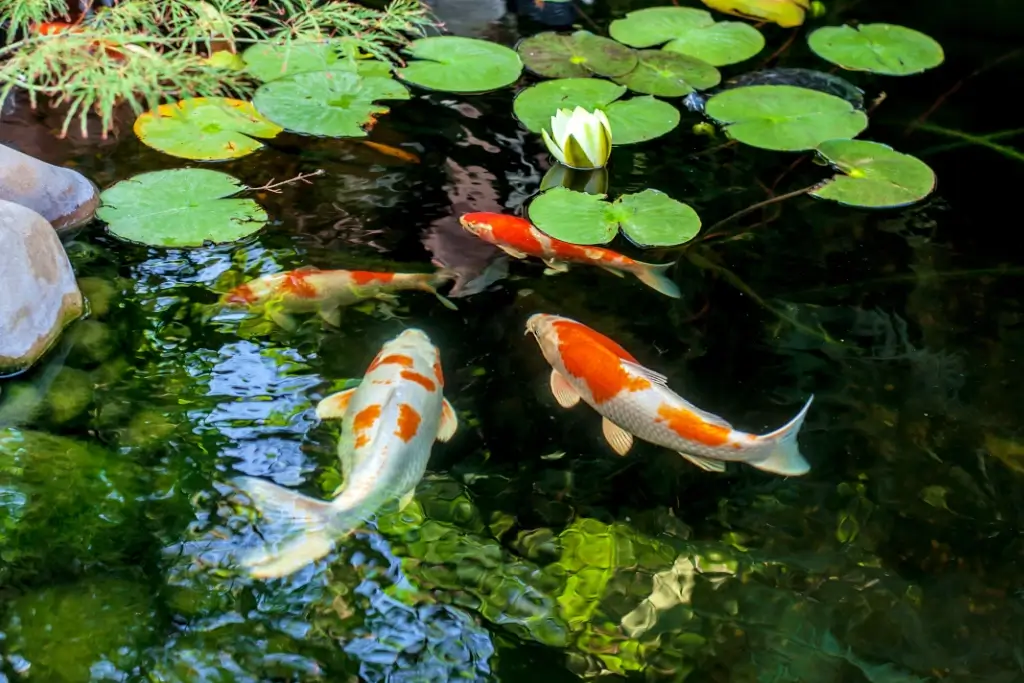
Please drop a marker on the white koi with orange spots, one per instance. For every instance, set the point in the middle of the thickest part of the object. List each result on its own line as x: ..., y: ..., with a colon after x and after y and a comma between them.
x: 518, y: 238
x: 635, y: 402
x: 326, y: 292
x: 389, y: 424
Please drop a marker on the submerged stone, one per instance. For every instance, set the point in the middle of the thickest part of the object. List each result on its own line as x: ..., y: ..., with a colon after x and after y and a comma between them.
x: 40, y: 295
x: 64, y: 197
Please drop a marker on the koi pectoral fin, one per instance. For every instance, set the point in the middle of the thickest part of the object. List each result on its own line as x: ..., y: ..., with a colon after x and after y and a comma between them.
x: 564, y: 392
x: 618, y: 438
x: 449, y: 422
x: 407, y: 498
x: 556, y: 266
x: 614, y: 271
x: 334, y: 406
x: 514, y: 253
x: 332, y: 316
x: 705, y: 464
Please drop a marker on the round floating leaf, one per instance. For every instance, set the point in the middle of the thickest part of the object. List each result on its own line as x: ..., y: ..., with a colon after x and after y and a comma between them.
x: 463, y: 65
x: 784, y: 117
x: 185, y: 207
x: 879, y: 48
x: 205, y: 128
x: 575, y: 56
x: 648, y: 218
x: 223, y: 59
x: 668, y: 74
x: 633, y: 120
x: 535, y: 105
x: 691, y: 32
x: 785, y: 13
x: 269, y: 61
x: 875, y: 175
x: 640, y: 119
x: 575, y: 217
x: 332, y: 103
x: 653, y: 219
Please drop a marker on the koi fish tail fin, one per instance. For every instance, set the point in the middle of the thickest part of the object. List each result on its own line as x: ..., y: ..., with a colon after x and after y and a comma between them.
x: 781, y: 448
x: 299, y: 530
x: 653, y: 275
x: 437, y: 279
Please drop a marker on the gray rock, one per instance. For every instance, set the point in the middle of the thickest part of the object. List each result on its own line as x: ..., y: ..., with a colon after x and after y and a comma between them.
x: 39, y: 293
x: 64, y: 197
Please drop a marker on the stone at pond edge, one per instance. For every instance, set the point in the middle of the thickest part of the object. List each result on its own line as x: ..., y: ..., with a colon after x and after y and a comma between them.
x: 64, y: 197
x: 40, y: 295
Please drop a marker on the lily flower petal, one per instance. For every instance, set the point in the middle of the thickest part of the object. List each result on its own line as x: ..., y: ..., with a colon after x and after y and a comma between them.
x: 553, y: 148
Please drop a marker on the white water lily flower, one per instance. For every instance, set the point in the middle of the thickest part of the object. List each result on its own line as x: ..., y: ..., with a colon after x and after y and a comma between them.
x: 579, y: 138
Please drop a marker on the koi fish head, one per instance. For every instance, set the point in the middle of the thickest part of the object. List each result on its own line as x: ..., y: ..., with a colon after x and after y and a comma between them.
x: 250, y: 293
x: 412, y: 344
x: 479, y: 223
x: 541, y: 325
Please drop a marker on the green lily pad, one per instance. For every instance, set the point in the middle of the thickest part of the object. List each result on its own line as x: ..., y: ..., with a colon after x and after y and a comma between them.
x: 185, y: 207
x: 691, y: 32
x: 784, y: 117
x: 648, y: 218
x: 576, y: 55
x: 462, y: 65
x: 205, y: 128
x: 668, y: 74
x: 633, y: 120
x: 879, y: 48
x: 331, y: 103
x: 271, y: 61
x: 874, y: 175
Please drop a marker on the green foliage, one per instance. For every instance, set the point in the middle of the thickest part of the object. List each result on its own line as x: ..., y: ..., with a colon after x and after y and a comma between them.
x: 649, y: 218
x: 878, y: 48
x: 205, y: 128
x: 20, y: 15
x: 462, y: 65
x: 577, y: 55
x: 873, y: 175
x: 270, y: 61
x: 669, y: 74
x: 690, y: 32
x: 180, y: 208
x: 783, y: 117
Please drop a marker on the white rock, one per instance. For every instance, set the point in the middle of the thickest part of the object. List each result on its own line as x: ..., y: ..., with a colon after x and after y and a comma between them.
x: 64, y: 197
x: 38, y: 291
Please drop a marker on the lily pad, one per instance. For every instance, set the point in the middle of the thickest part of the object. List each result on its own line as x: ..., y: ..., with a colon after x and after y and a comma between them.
x: 668, y: 74
x: 785, y: 13
x: 879, y: 48
x: 331, y: 103
x: 784, y: 117
x: 576, y: 55
x: 462, y: 65
x: 874, y: 175
x: 185, y: 207
x: 691, y: 32
x: 271, y: 61
x: 633, y: 120
x: 648, y: 218
x: 205, y: 128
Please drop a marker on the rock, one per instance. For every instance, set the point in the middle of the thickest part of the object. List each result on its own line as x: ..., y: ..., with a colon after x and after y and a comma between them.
x: 64, y: 197
x: 40, y: 292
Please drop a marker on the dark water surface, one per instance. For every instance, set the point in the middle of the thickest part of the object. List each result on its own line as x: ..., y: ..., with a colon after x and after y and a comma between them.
x: 532, y: 553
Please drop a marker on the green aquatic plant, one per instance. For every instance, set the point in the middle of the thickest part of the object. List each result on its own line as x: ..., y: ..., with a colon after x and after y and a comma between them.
x: 873, y: 175
x: 691, y: 32
x: 669, y: 74
x: 461, y: 65
x: 205, y: 128
x: 879, y: 48
x: 576, y: 55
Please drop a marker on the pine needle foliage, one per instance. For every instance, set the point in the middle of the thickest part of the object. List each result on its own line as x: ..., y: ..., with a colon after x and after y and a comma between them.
x: 145, y: 52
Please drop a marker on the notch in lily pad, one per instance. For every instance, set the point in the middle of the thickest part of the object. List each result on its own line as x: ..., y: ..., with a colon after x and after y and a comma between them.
x: 873, y: 175
x: 885, y: 49
x: 784, y: 117
x: 575, y: 55
x: 648, y: 219
x: 690, y: 32
x: 205, y: 128
x: 185, y: 207
x: 329, y: 103
x: 460, y: 65
x: 632, y: 120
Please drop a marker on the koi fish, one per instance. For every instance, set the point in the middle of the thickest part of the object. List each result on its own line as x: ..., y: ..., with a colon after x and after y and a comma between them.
x: 635, y: 401
x: 326, y: 292
x: 518, y: 238
x: 389, y: 424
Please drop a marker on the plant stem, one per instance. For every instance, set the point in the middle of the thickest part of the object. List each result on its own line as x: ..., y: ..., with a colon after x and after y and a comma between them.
x: 754, y: 207
x: 980, y: 140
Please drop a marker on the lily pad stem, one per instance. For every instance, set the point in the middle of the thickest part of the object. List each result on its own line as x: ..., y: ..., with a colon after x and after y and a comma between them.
x: 711, y: 234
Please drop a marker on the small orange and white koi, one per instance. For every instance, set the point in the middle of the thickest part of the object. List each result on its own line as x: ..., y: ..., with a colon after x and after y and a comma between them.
x: 635, y: 401
x: 326, y: 292
x: 389, y: 425
x: 518, y: 238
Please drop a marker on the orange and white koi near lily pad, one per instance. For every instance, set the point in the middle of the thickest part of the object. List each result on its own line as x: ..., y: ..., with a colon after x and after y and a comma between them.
x: 636, y: 402
x: 389, y: 425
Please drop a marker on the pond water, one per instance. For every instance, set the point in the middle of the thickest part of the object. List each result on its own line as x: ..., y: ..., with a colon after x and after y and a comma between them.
x: 531, y: 550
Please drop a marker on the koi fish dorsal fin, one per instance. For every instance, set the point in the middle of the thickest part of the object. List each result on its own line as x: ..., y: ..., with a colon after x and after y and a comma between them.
x: 654, y: 377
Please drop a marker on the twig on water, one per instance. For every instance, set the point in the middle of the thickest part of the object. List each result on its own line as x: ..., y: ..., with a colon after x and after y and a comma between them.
x: 271, y: 186
x: 778, y: 53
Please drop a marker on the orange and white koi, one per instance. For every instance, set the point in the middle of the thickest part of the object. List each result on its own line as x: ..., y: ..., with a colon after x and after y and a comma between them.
x: 389, y: 424
x: 636, y: 402
x: 518, y: 238
x: 326, y: 292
